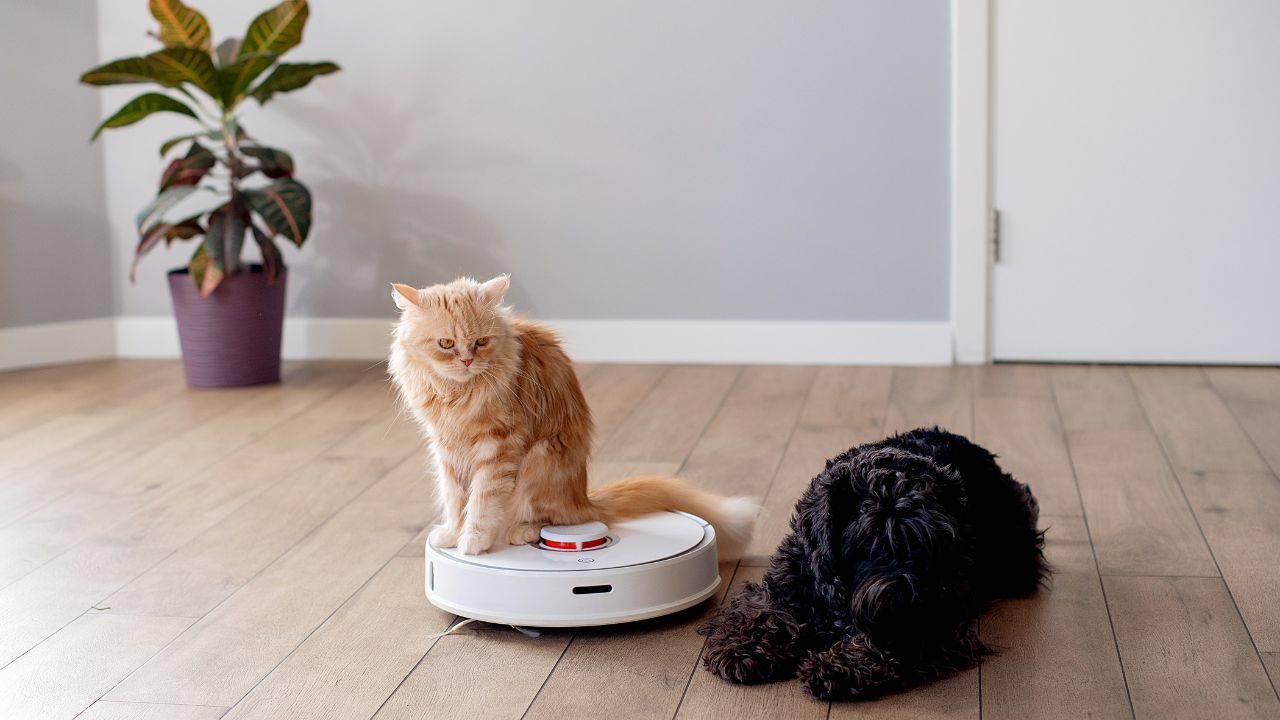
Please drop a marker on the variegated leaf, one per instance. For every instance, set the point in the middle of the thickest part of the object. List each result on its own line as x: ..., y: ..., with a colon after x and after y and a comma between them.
x: 140, y: 107
x: 291, y: 76
x: 189, y: 169
x: 203, y: 272
x: 285, y: 206
x: 189, y: 65
x: 168, y: 232
x: 163, y: 202
x: 234, y: 80
x: 276, y: 30
x: 225, y: 237
x: 227, y: 51
x: 272, y: 162
x: 172, y: 142
x: 272, y: 260
x: 125, y: 71
x: 180, y: 26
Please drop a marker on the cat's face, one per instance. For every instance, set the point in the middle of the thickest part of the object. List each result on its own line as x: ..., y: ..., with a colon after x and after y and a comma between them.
x: 458, y: 329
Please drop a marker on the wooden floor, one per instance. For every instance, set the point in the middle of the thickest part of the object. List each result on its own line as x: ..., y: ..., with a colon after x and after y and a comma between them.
x: 176, y: 554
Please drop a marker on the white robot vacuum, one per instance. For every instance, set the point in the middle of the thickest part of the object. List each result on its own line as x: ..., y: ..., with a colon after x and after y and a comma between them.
x: 581, y: 575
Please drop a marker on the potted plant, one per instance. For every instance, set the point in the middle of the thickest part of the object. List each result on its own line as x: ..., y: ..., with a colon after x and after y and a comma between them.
x: 230, y: 315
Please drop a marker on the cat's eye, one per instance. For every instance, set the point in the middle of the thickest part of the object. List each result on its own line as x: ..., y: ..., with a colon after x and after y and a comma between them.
x: 481, y: 342
x: 445, y: 343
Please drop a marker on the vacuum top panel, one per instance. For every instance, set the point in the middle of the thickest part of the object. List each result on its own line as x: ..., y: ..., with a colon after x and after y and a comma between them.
x: 634, y: 542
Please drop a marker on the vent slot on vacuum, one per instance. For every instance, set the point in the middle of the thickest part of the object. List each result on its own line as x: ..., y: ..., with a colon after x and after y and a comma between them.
x: 592, y: 589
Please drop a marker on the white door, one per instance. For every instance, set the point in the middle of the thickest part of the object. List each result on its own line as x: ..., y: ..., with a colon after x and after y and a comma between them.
x: 1137, y: 174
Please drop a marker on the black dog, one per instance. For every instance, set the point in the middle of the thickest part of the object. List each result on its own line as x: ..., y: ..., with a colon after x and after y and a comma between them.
x: 894, y: 550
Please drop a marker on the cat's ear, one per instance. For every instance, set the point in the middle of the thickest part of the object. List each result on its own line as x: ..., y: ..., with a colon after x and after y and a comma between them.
x: 405, y: 296
x: 492, y: 291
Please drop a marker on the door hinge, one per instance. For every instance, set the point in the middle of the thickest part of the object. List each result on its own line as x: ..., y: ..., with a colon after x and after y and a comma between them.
x: 995, y: 235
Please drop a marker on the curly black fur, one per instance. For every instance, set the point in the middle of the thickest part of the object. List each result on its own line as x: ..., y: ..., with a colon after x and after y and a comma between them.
x: 894, y: 550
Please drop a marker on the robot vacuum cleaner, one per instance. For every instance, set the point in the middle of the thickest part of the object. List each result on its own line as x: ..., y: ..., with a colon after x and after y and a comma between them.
x: 581, y: 575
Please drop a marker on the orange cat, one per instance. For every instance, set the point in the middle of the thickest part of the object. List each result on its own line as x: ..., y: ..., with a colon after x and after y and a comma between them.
x: 508, y: 427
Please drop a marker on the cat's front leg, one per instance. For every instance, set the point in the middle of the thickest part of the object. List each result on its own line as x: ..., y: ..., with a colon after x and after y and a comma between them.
x: 493, y: 481
x: 452, y: 498
x: 523, y: 533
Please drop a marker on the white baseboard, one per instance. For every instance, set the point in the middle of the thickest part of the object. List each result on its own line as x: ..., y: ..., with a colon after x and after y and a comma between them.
x: 751, y: 341
x: 147, y: 337
x: 304, y: 338
x: 56, y: 343
x: 656, y: 341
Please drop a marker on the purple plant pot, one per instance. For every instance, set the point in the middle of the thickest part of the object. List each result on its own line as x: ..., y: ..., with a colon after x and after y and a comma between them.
x: 232, y: 337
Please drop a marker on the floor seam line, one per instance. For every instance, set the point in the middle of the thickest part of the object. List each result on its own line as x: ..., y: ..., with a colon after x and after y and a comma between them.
x: 1093, y: 548
x: 1195, y: 517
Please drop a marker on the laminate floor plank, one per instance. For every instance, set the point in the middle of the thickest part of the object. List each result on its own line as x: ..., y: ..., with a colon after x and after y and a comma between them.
x: 613, y: 392
x: 127, y: 486
x: 352, y: 663
x: 1138, y: 518
x: 76, y: 666
x: 928, y: 396
x: 1235, y: 497
x: 220, y: 658
x: 739, y: 451
x: 1253, y: 394
x: 1016, y: 418
x: 667, y: 423
x: 107, y: 710
x: 1055, y: 652
x: 1185, y: 652
x: 481, y: 671
x: 848, y: 397
x: 57, y: 592
x: 211, y: 566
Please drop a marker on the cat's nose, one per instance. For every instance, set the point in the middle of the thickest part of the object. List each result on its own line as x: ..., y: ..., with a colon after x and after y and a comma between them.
x: 467, y: 361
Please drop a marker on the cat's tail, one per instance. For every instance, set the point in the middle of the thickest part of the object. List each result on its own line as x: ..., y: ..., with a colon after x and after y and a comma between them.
x: 732, y: 517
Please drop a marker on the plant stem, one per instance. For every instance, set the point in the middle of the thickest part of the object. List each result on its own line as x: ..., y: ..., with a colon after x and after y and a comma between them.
x: 233, y: 158
x: 229, y: 126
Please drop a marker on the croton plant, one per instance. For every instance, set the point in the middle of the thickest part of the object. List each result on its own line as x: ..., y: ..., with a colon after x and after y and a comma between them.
x: 254, y: 184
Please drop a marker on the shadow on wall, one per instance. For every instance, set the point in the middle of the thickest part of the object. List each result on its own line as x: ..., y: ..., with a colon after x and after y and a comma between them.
x: 41, y: 244
x: 376, y: 222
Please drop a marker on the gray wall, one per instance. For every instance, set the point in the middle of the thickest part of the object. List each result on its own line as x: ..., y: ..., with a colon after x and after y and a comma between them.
x: 719, y: 159
x: 54, y: 251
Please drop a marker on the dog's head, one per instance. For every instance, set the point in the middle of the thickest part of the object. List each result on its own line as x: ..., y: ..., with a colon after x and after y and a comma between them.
x: 890, y: 529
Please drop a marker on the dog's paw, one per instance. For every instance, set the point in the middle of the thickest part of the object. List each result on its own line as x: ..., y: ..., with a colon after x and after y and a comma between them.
x: 523, y: 533
x: 852, y: 670
x: 444, y: 536
x: 473, y: 542
x: 744, y: 665
x: 821, y: 680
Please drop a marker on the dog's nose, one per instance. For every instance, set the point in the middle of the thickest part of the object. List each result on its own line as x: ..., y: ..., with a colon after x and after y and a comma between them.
x: 467, y: 361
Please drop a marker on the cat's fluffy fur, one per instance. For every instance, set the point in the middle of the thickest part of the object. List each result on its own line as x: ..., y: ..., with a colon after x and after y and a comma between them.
x: 894, y: 550
x: 509, y: 430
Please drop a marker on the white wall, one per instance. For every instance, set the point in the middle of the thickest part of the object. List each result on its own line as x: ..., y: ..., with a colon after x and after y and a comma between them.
x: 723, y: 159
x: 54, y: 250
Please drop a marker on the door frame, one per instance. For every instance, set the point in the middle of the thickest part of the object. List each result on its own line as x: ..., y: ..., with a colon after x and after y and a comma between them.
x: 971, y: 188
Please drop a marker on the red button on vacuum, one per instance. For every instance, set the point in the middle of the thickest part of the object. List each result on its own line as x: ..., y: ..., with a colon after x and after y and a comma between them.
x: 575, y: 537
x: 585, y: 545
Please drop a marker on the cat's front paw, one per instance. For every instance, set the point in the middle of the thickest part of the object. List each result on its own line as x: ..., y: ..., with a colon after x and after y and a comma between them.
x: 523, y: 533
x: 473, y: 542
x: 444, y: 536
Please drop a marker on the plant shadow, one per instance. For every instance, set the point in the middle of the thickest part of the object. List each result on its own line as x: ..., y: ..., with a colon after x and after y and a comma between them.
x: 377, y: 219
